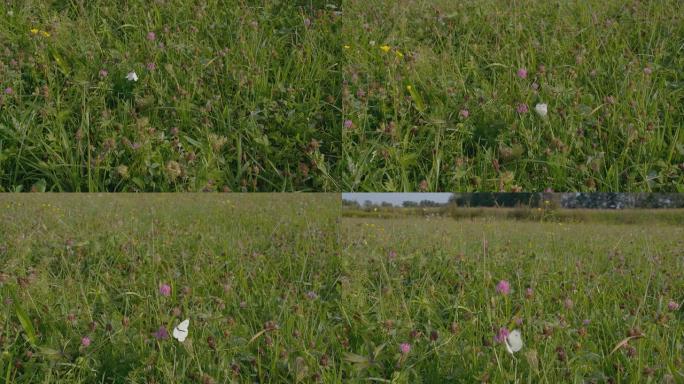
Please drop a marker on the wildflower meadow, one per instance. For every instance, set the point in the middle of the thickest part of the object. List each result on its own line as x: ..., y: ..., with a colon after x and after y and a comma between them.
x: 493, y: 95
x: 169, y: 95
x: 495, y: 300
x: 97, y: 288
x: 290, y: 288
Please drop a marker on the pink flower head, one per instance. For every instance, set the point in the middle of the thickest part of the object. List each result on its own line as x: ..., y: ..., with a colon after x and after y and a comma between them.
x: 522, y: 108
x: 504, y: 287
x: 522, y: 73
x: 151, y: 36
x: 464, y: 113
x: 85, y: 341
x: 405, y: 348
x: 529, y: 293
x: 348, y: 124
x: 392, y: 255
x: 672, y: 305
x: 103, y: 73
x: 151, y: 66
x: 9, y: 90
x: 161, y: 334
x: 165, y: 290
x: 501, y: 336
x: 648, y: 70
x: 311, y: 295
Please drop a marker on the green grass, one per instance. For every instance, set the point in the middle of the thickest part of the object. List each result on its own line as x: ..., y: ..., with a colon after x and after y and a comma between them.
x: 643, y: 217
x: 280, y: 288
x: 441, y: 281
x: 314, y: 95
x: 232, y: 95
x: 76, y: 266
x: 610, y: 72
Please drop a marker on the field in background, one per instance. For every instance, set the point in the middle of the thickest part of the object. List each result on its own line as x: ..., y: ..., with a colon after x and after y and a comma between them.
x: 230, y: 95
x: 595, y: 303
x: 257, y: 275
x: 440, y: 95
x: 549, y: 214
x: 284, y: 288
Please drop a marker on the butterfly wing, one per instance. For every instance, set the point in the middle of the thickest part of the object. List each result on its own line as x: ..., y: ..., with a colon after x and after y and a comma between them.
x: 514, y: 341
x: 181, y: 330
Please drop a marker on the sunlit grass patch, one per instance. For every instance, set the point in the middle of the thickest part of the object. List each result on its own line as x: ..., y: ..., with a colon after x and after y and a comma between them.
x: 513, y: 96
x: 169, y: 96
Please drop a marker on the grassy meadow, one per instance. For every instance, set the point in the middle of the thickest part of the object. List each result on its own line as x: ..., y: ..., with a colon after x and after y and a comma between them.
x: 169, y: 95
x: 92, y: 287
x: 284, y: 288
x: 595, y: 302
x: 442, y: 95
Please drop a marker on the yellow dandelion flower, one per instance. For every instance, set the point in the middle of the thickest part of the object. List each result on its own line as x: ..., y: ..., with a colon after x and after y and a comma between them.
x: 346, y: 47
x: 385, y: 48
x: 45, y: 34
x: 34, y: 31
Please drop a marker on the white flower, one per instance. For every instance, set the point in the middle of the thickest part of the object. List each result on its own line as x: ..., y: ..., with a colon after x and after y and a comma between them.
x: 132, y: 76
x: 541, y: 109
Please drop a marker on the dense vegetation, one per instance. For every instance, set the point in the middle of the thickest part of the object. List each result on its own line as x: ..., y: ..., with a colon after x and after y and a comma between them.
x: 497, y: 95
x: 169, y: 95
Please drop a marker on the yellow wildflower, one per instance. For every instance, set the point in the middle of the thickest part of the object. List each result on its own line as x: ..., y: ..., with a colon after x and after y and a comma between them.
x: 346, y: 47
x: 399, y: 54
x: 45, y: 34
x: 385, y: 48
x: 408, y: 87
x: 34, y: 31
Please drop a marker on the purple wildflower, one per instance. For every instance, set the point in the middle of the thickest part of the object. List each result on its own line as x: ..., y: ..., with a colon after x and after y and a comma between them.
x: 522, y: 108
x: 404, y: 348
x: 504, y: 287
x: 161, y: 334
x: 529, y: 293
x: 672, y: 305
x: 151, y: 36
x: 85, y: 341
x: 165, y: 290
x: 501, y: 336
x: 522, y: 73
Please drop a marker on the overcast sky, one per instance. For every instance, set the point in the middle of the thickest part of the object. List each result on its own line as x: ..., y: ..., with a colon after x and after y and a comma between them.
x: 396, y: 198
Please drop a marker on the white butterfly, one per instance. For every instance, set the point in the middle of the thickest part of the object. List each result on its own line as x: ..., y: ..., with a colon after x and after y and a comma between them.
x: 513, y: 343
x: 542, y: 109
x: 181, y: 330
x: 132, y: 76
